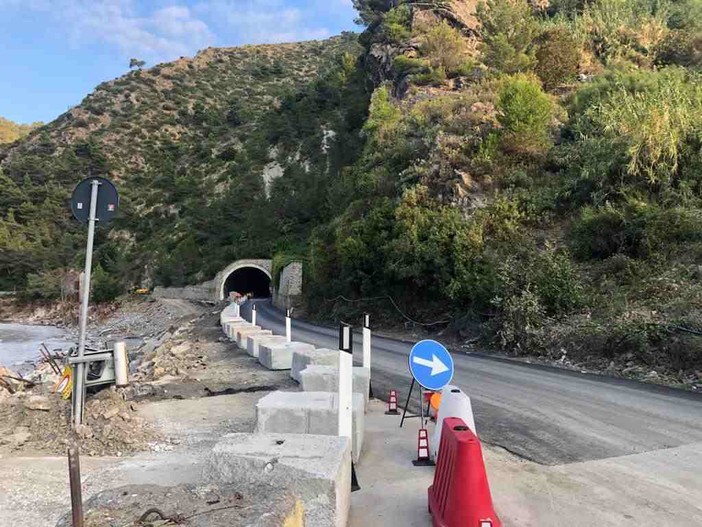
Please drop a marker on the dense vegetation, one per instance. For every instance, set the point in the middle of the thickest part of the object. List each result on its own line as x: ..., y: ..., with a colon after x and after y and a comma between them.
x: 529, y: 171
x: 10, y: 131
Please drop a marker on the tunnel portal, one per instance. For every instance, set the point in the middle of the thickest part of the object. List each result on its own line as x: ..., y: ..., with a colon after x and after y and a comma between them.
x: 248, y: 280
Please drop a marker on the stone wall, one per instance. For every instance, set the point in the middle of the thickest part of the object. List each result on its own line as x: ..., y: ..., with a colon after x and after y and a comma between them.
x: 289, y: 290
x: 205, y: 291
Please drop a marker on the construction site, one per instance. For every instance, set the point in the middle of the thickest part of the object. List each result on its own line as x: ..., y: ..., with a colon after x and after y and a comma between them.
x: 225, y: 422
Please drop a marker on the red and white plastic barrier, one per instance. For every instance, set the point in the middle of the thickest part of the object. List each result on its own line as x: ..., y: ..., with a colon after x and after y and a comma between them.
x: 460, y: 495
x: 454, y: 403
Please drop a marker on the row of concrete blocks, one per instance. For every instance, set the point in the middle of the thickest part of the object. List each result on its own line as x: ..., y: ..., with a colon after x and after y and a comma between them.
x: 304, y: 419
x: 315, y: 410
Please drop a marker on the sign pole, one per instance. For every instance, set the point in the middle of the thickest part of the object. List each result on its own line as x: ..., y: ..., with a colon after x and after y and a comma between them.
x: 346, y: 392
x: 367, y: 352
x: 79, y: 386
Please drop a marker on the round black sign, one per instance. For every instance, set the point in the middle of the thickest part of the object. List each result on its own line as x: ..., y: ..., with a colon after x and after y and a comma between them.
x: 107, y: 201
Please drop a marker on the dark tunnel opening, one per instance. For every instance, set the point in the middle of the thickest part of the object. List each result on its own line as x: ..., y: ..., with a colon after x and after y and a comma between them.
x: 248, y: 280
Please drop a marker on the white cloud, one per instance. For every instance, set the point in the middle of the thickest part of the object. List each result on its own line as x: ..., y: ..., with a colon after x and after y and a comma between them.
x: 262, y: 21
x: 159, y: 34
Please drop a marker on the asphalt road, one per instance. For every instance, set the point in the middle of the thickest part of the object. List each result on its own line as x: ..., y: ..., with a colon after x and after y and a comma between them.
x: 543, y: 414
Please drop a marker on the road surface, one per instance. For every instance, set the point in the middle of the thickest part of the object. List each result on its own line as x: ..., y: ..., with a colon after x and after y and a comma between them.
x: 543, y: 414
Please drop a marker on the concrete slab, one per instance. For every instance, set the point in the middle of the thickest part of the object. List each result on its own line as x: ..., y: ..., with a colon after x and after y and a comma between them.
x: 231, y: 327
x: 317, y: 469
x: 242, y: 334
x: 253, y: 342
x: 318, y: 378
x: 308, y: 413
x: 228, y: 314
x: 279, y: 356
x: 304, y: 358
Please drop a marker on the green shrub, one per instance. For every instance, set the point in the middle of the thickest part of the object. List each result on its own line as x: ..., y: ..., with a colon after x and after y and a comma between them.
x: 557, y: 57
x: 508, y: 30
x: 525, y: 113
x: 635, y: 229
x: 681, y: 48
x: 653, y: 118
x: 397, y: 24
x: 518, y: 325
x: 105, y: 287
x: 444, y: 47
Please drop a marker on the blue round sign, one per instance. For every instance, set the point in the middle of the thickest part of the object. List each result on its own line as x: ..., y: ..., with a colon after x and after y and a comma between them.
x: 431, y: 365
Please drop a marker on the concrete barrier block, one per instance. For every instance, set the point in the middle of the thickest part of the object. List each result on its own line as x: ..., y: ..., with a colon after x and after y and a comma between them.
x: 304, y: 358
x: 229, y: 314
x: 254, y: 341
x: 309, y: 413
x: 318, y: 378
x: 279, y: 356
x: 231, y: 327
x: 316, y: 469
x: 242, y: 334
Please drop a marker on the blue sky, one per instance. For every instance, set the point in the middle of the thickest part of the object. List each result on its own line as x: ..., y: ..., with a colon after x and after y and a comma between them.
x: 54, y: 52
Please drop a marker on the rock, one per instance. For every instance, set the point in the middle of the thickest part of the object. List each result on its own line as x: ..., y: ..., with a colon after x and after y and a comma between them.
x: 110, y: 413
x: 181, y: 349
x: 84, y: 431
x: 20, y: 436
x: 38, y: 402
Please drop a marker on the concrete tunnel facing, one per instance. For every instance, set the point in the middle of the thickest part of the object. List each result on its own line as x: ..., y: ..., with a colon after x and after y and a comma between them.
x: 247, y: 280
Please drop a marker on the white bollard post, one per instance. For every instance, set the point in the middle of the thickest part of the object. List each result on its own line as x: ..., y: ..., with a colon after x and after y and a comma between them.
x: 346, y: 392
x: 237, y: 309
x: 345, y: 381
x: 367, y: 351
x: 121, y: 361
x: 366, y: 342
x: 253, y: 315
x: 288, y: 325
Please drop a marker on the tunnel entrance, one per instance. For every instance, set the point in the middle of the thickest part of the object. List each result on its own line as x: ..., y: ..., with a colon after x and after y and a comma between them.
x: 248, y: 280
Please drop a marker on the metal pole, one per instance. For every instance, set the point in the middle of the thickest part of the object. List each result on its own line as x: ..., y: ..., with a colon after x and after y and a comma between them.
x: 409, y: 395
x: 79, y: 383
x: 76, y: 489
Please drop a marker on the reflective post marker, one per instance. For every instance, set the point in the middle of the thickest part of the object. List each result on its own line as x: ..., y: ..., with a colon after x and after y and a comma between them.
x: 346, y: 392
x: 288, y: 325
x: 366, y: 342
x: 367, y: 350
x: 237, y: 309
x: 79, y: 384
x: 253, y: 315
x: 345, y: 381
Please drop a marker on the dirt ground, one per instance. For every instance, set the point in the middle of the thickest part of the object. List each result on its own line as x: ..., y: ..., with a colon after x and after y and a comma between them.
x: 190, y: 386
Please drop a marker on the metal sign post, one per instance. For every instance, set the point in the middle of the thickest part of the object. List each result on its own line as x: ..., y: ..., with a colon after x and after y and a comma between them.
x: 79, y: 390
x: 89, y: 205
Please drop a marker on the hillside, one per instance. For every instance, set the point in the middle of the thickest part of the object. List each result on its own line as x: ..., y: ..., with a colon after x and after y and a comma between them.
x: 10, y: 131
x: 529, y: 173
x: 187, y: 143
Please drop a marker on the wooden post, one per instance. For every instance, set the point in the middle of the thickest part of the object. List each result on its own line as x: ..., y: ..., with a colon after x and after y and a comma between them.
x: 76, y: 488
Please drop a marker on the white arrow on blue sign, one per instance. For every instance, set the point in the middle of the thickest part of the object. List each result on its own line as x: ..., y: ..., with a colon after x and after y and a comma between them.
x: 431, y: 365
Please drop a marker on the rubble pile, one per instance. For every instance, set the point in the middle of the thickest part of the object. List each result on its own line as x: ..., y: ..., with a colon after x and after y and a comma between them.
x: 41, y: 423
